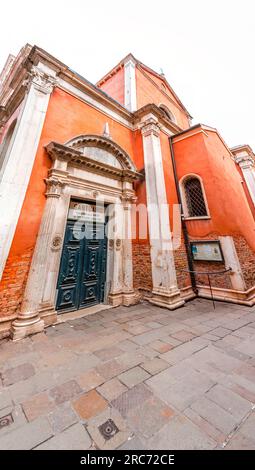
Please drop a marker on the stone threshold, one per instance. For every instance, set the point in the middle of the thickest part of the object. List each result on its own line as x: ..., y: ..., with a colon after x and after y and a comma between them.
x: 84, y: 312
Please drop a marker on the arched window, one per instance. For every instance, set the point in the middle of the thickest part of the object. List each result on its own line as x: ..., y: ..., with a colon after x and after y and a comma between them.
x: 168, y: 114
x: 5, y: 144
x: 193, y: 196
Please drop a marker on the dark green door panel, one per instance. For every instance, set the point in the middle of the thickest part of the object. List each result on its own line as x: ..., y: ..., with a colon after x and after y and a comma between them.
x: 82, y: 271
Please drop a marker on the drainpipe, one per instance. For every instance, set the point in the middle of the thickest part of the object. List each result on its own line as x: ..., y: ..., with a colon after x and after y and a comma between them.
x: 183, y: 222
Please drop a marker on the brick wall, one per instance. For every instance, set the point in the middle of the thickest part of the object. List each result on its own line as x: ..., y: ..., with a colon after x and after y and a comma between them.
x: 217, y: 280
x: 247, y: 260
x: 142, y: 266
x: 222, y: 280
x: 13, y: 283
x: 181, y: 264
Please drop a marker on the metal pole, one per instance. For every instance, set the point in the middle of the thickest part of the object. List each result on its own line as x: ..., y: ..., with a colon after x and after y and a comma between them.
x: 209, y: 282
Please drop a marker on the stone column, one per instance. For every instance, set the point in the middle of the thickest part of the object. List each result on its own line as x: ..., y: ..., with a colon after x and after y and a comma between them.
x: 232, y: 261
x: 130, y: 85
x: 246, y: 163
x: 47, y: 306
x: 165, y: 290
x: 129, y: 296
x: 115, y: 272
x: 21, y: 155
x: 28, y: 320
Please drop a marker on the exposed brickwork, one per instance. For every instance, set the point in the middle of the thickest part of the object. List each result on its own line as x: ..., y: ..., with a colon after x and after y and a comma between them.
x: 142, y: 266
x: 246, y: 259
x: 181, y: 264
x: 13, y: 283
x: 222, y: 280
x: 217, y: 280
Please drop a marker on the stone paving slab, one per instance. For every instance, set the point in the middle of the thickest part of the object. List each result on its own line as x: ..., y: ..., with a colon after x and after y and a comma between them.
x: 147, y: 376
x: 27, y: 436
x: 229, y: 401
x: 74, y: 438
x: 133, y: 377
x: 181, y: 433
x: 216, y: 415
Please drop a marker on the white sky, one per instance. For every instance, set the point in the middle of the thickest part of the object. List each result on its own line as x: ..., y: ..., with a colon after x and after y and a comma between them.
x: 206, y: 48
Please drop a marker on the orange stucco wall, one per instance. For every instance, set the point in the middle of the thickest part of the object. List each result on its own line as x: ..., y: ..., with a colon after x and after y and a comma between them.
x: 79, y: 118
x: 149, y: 91
x: 208, y: 157
x: 114, y: 86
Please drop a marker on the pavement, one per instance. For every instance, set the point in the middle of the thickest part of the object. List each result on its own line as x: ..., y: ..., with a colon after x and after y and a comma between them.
x: 133, y: 378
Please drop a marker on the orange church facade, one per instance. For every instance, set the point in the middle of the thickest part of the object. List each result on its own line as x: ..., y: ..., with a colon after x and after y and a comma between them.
x: 74, y: 155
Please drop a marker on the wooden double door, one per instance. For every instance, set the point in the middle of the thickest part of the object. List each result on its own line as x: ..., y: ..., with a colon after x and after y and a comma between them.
x: 82, y: 274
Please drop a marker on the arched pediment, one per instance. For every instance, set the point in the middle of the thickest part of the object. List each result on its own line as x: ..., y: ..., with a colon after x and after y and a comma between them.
x: 95, y: 154
x: 102, y: 149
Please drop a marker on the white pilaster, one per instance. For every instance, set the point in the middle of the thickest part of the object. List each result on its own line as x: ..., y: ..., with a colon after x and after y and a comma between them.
x: 20, y: 157
x: 165, y: 289
x: 28, y: 320
x: 246, y: 164
x: 130, y: 85
x: 232, y: 261
x: 115, y: 231
x: 129, y: 296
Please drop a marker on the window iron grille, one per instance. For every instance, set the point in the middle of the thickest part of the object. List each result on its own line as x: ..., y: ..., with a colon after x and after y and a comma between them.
x: 195, y: 198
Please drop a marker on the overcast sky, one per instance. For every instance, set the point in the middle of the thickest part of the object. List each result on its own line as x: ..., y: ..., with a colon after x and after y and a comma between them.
x: 205, y: 48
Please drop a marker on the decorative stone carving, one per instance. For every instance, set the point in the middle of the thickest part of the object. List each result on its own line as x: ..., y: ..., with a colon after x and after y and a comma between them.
x: 54, y: 187
x: 150, y: 126
x: 106, y: 132
x: 244, y: 161
x: 128, y: 198
x: 111, y: 244
x: 103, y: 142
x: 41, y: 81
x: 56, y: 243
x: 75, y: 157
x: 118, y: 244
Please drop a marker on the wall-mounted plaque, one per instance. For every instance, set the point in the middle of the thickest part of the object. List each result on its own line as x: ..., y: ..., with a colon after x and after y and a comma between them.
x: 206, y: 251
x: 86, y: 212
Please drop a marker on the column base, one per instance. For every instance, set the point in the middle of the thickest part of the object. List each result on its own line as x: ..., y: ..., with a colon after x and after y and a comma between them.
x: 25, y: 326
x: 130, y: 298
x: 167, y: 299
x: 115, y: 299
x: 48, y: 314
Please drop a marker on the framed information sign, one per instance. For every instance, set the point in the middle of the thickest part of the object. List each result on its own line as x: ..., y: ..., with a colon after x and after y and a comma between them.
x: 209, y: 250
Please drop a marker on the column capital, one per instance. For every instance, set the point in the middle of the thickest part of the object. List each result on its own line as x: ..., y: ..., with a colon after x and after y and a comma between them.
x: 244, y: 161
x: 150, y: 125
x: 54, y: 186
x: 128, y: 198
x: 41, y: 81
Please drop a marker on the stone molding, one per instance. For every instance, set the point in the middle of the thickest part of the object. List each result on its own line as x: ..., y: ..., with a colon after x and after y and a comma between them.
x: 104, y: 143
x: 128, y: 197
x: 150, y: 126
x: 54, y: 186
x: 75, y: 157
x: 38, y: 306
x: 41, y: 80
x: 244, y: 161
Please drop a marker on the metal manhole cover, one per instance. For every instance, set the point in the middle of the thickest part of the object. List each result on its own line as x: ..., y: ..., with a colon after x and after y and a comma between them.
x: 6, y: 420
x: 108, y: 429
